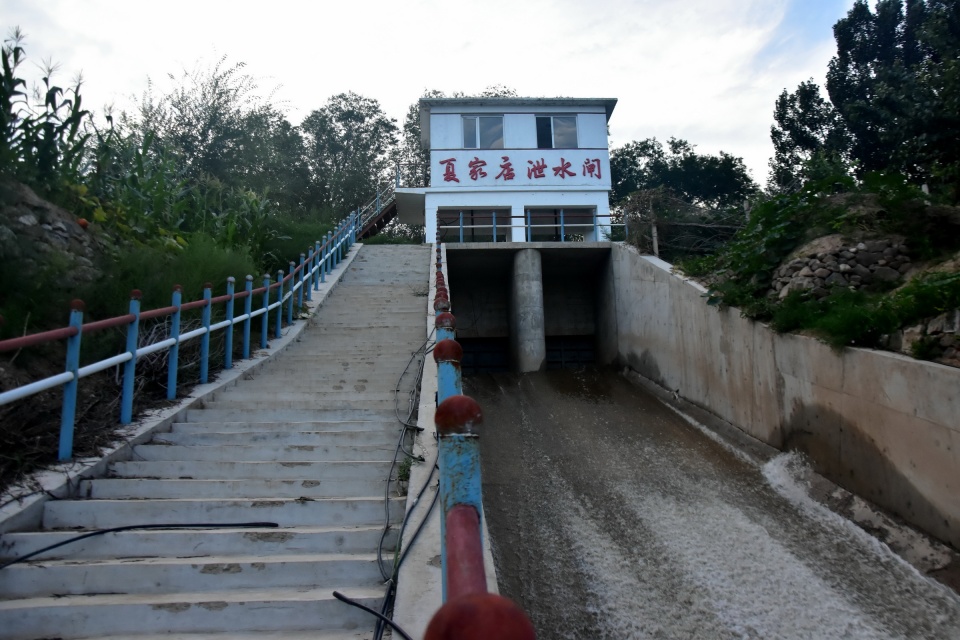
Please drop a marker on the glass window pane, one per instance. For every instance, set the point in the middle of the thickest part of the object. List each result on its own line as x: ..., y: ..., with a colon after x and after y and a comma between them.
x: 565, y: 132
x: 469, y: 133
x: 544, y: 133
x: 491, y: 132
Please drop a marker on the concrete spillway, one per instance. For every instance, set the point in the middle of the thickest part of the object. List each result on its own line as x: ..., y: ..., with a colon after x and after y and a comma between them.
x: 611, y: 517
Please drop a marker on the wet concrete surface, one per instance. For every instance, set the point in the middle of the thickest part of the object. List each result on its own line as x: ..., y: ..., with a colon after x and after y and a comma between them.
x: 611, y: 517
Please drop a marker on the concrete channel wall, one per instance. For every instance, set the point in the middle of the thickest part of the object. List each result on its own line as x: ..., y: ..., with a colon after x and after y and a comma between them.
x: 882, y: 425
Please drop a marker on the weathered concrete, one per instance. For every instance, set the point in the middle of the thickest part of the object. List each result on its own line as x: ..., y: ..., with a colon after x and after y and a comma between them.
x: 880, y: 424
x: 527, y: 327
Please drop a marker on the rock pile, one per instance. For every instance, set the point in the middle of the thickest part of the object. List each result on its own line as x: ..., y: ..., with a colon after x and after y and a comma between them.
x: 936, y: 339
x: 35, y: 235
x: 849, y: 265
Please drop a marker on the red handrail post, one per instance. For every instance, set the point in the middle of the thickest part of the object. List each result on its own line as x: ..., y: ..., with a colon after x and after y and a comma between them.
x: 69, y: 410
x: 130, y: 366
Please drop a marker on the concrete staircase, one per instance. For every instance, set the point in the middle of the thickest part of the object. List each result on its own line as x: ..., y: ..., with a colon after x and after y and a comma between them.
x: 306, y: 444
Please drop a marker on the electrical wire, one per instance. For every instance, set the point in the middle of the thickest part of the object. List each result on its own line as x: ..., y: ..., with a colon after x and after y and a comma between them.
x: 342, y: 598
x: 100, y: 532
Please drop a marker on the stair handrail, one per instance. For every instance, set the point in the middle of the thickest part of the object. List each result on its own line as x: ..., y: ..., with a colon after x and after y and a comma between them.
x: 370, y: 211
x: 315, y: 264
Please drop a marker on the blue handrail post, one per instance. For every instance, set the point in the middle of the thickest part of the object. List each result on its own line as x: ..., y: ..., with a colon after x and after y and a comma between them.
x: 448, y: 354
x: 457, y: 419
x: 279, y: 323
x: 228, y: 331
x: 292, y: 269
x: 205, y: 338
x: 69, y: 413
x: 529, y: 230
x: 130, y: 366
x: 446, y: 325
x: 596, y: 230
x: 494, y: 226
x: 323, y: 262
x: 329, y: 251
x: 305, y: 282
x: 265, y: 318
x: 316, y: 266
x: 247, y: 309
x: 461, y: 227
x: 562, y: 230
x: 340, y: 243
x: 173, y: 358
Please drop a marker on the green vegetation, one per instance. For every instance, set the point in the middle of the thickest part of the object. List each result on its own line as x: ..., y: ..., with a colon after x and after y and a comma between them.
x: 876, y: 158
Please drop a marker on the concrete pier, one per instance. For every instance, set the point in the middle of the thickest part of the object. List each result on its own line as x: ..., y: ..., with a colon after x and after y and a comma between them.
x: 527, y: 338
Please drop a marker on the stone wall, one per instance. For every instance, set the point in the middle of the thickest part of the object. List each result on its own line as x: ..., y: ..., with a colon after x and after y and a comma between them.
x: 37, y: 235
x: 852, y: 265
x: 881, y: 424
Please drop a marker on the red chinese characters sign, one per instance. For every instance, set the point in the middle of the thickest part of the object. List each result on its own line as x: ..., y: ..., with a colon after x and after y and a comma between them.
x: 488, y: 169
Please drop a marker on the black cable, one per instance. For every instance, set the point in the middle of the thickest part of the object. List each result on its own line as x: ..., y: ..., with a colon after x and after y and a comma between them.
x: 100, y: 532
x: 342, y: 598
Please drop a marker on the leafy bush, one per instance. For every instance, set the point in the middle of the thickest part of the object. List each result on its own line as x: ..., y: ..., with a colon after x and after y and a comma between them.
x: 856, y: 318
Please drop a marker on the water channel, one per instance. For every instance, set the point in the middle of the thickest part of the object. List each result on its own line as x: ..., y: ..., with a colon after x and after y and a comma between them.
x: 612, y: 517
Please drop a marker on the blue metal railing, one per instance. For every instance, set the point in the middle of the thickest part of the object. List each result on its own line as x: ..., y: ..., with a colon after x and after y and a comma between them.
x: 372, y: 210
x: 467, y: 605
x: 561, y: 226
x: 313, y: 269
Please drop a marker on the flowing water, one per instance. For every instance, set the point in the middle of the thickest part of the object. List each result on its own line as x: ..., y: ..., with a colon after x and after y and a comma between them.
x: 611, y: 517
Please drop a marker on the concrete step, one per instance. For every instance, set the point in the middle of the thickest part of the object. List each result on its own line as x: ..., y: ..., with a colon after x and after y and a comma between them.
x: 265, y: 452
x: 195, y: 470
x: 172, y: 575
x: 106, y: 514
x: 223, y: 612
x: 278, y: 393
x: 283, y: 427
x: 284, y: 414
x: 152, y: 489
x: 385, y: 436
x: 174, y: 543
x: 327, y: 407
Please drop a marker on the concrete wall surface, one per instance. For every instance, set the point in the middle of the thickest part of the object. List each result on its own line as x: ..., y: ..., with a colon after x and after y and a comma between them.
x: 882, y: 425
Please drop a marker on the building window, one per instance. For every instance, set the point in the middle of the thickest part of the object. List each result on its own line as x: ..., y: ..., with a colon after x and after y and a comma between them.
x: 557, y: 132
x: 483, y: 132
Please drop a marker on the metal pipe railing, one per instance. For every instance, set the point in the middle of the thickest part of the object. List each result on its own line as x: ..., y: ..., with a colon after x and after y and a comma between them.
x: 467, y: 605
x: 314, y: 265
x: 560, y: 222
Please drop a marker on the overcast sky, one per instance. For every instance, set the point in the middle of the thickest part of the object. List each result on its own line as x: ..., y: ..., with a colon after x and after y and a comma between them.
x: 708, y: 71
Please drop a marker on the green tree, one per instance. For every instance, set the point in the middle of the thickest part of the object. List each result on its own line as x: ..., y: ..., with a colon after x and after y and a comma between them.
x: 894, y: 89
x: 806, y: 126
x: 349, y: 143
x: 711, y: 181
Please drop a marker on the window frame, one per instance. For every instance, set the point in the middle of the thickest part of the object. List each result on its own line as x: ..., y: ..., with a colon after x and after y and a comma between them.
x: 553, y: 129
x: 477, y: 129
